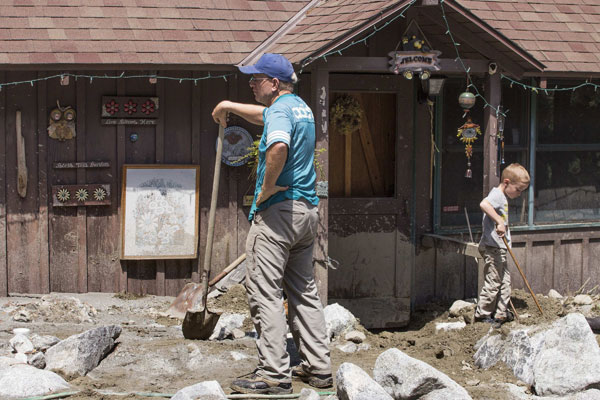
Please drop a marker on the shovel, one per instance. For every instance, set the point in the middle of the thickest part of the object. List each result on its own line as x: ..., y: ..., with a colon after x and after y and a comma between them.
x: 199, y: 322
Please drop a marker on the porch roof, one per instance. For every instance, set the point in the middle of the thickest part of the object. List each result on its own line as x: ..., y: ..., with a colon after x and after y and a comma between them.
x: 562, y: 34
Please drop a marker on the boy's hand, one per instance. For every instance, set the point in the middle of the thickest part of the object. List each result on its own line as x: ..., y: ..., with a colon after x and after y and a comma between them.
x: 500, y: 229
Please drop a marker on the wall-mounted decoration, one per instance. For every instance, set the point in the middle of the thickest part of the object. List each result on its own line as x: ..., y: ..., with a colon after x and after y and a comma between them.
x: 416, y: 56
x: 236, y: 146
x: 159, y: 206
x: 82, y: 164
x: 123, y: 110
x: 81, y: 195
x: 61, y: 125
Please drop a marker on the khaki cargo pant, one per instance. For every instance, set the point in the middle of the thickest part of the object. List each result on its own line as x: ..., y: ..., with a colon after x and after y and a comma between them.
x: 279, y: 250
x: 495, y: 294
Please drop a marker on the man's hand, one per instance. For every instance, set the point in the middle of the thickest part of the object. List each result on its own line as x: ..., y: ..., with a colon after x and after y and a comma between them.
x: 500, y: 229
x: 267, y: 192
x: 220, y: 112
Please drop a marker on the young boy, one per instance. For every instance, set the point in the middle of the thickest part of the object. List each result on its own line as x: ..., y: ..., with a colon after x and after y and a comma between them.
x: 495, y: 294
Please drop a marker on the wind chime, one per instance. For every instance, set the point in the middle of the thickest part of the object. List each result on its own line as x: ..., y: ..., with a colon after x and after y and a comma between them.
x: 469, y: 130
x: 500, y: 118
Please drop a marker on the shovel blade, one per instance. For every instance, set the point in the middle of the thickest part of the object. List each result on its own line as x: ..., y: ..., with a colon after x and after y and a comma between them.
x: 190, y: 297
x: 199, y: 324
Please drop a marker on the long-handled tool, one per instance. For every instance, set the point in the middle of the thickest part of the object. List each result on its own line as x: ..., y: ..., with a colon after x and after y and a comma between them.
x: 199, y: 322
x: 192, y: 293
x: 522, y: 274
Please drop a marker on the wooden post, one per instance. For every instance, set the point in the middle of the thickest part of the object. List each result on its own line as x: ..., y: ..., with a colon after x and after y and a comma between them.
x: 3, y: 247
x: 493, y: 93
x: 348, y: 164
x: 82, y: 266
x: 21, y: 162
x: 320, y: 107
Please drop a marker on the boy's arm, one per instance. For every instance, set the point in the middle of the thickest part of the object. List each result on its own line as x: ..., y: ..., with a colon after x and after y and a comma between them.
x: 487, y: 208
x: 252, y: 113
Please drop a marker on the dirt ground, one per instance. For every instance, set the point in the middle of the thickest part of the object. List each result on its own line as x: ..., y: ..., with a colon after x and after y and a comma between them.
x: 152, y: 357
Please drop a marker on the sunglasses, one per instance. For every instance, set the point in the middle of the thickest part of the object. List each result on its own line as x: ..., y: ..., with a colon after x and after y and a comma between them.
x: 257, y: 80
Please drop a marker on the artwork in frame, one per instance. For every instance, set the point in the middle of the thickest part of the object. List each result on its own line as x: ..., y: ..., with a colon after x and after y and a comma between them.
x: 159, y: 218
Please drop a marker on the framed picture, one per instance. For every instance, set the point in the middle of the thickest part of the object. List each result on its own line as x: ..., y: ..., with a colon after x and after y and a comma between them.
x: 159, y: 211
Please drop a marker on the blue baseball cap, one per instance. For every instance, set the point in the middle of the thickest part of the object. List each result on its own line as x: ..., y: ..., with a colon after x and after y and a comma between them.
x: 273, y: 65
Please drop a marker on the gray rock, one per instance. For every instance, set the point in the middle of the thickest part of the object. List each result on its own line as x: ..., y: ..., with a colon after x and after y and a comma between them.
x: 308, y: 394
x: 238, y: 334
x: 226, y: 324
x: 21, y: 380
x: 338, y: 320
x: 21, y: 344
x: 79, y: 354
x: 404, y: 377
x: 583, y: 299
x: 6, y: 362
x: 348, y: 347
x: 449, y: 326
x: 21, y: 357
x: 355, y: 337
x: 553, y: 294
x: 355, y: 384
x: 37, y: 360
x: 519, y: 393
x: 458, y: 306
x: 208, y: 390
x: 43, y: 342
x: 559, y: 360
x: 22, y: 316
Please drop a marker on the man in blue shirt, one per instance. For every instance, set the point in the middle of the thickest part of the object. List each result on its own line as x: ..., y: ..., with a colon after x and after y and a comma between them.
x: 280, y: 242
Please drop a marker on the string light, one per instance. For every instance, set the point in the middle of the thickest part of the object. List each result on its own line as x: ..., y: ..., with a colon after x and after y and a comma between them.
x: 62, y: 76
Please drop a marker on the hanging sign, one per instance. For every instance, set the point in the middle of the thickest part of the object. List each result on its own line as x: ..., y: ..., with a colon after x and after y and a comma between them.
x: 415, y: 56
x: 124, y: 110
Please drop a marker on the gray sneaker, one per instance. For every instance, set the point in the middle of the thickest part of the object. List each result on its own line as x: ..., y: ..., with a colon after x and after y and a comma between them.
x: 320, y: 381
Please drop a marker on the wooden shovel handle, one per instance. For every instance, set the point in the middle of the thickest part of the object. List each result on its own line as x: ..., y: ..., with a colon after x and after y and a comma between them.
x: 522, y: 274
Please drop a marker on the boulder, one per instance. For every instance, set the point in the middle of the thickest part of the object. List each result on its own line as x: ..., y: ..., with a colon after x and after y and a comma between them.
x: 553, y: 294
x: 460, y: 306
x: 583, y: 300
x: 208, y: 390
x: 355, y: 384
x: 226, y: 325
x: 43, y: 342
x: 404, y: 377
x: 449, y: 326
x: 309, y: 394
x: 79, y: 354
x: 338, y: 320
x: 21, y: 344
x: 22, y: 380
x: 355, y: 337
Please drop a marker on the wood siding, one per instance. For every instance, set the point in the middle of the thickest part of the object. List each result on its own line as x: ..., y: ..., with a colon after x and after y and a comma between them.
x: 76, y: 249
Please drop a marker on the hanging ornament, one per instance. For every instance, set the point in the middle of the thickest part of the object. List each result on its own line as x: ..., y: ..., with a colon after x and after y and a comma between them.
x: 468, y: 134
x: 466, y: 101
x: 500, y: 118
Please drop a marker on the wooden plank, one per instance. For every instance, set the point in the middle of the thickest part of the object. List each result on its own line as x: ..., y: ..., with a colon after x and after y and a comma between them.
x: 103, y: 264
x: 3, y: 135
x: 42, y: 138
x: 81, y: 179
x: 160, y: 158
x: 348, y: 164
x: 65, y: 231
x: 569, y: 270
x: 121, y: 157
x: 320, y: 107
x: 493, y: 92
x: 366, y: 139
x: 450, y: 274
x: 593, y: 268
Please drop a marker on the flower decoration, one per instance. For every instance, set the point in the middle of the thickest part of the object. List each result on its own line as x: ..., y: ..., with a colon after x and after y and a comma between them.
x: 148, y: 107
x: 63, y: 195
x: 468, y: 134
x: 81, y: 194
x: 99, y: 194
x: 112, y: 107
x: 130, y: 107
x: 346, y: 114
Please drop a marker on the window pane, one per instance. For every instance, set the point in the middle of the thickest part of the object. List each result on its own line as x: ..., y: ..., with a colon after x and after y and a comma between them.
x: 517, y: 208
x: 567, y: 186
x: 568, y: 117
x: 516, y: 123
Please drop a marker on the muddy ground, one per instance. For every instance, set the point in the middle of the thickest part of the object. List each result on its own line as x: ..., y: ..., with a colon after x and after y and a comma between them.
x: 153, y: 357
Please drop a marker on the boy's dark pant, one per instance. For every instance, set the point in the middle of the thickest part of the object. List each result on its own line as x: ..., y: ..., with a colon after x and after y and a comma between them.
x: 495, y: 293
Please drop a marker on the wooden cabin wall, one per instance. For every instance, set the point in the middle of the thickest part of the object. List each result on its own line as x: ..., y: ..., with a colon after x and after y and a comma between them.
x: 77, y: 249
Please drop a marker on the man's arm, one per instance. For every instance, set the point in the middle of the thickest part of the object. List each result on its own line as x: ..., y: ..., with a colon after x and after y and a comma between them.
x: 275, y: 160
x: 250, y: 112
x: 487, y: 208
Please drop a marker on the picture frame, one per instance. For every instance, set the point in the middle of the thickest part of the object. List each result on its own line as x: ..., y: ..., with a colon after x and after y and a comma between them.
x: 159, y: 211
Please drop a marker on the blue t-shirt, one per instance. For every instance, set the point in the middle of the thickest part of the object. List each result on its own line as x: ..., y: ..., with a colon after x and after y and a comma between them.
x: 288, y: 120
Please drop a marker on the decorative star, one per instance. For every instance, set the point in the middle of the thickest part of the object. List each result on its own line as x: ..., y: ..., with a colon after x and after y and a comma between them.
x: 81, y: 194
x: 99, y: 194
x: 63, y: 195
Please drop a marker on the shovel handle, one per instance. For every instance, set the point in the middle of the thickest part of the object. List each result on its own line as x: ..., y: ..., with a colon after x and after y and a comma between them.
x: 522, y: 274
x: 212, y: 212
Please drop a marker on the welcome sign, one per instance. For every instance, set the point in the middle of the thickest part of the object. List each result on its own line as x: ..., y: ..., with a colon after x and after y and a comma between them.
x: 415, y: 61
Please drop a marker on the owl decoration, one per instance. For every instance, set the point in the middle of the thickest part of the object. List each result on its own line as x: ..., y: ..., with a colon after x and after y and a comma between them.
x: 62, y: 123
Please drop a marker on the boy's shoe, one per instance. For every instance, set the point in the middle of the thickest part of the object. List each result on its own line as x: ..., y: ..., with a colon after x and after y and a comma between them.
x: 315, y: 380
x: 259, y: 385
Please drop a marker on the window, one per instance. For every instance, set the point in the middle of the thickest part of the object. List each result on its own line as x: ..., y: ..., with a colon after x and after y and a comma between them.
x: 555, y: 135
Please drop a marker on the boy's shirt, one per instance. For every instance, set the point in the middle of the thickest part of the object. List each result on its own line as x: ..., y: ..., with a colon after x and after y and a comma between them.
x: 489, y: 236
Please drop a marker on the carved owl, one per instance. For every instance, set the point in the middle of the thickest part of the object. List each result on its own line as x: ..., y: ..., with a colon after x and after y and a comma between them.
x: 62, y: 123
